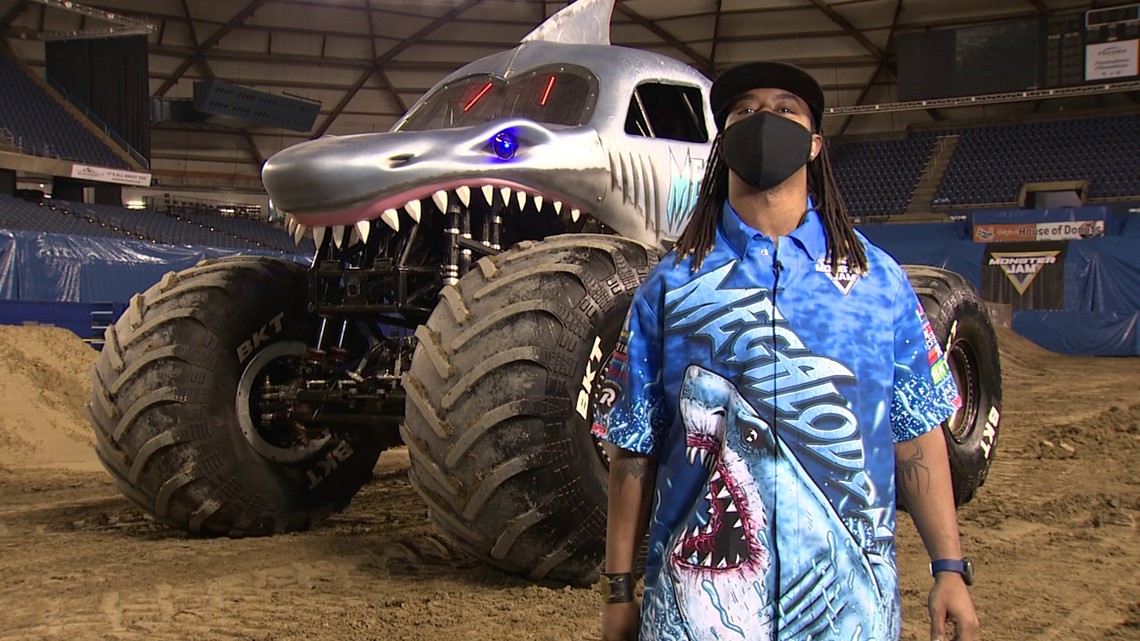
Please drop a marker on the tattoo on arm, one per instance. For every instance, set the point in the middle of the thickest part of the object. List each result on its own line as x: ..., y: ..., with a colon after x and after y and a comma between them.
x: 635, y: 467
x: 913, y: 474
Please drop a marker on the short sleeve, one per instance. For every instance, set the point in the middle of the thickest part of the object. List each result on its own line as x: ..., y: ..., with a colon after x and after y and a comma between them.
x: 630, y: 409
x: 924, y: 391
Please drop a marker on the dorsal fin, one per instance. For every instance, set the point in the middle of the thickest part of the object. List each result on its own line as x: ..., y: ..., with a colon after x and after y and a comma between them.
x: 586, y: 22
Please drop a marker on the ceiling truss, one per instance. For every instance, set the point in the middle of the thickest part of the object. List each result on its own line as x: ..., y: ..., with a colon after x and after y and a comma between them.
x: 857, y: 64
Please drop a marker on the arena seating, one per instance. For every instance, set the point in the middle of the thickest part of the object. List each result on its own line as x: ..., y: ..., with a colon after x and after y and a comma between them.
x: 40, y: 126
x: 179, y: 229
x: 55, y: 218
x: 877, y: 178
x: 990, y: 164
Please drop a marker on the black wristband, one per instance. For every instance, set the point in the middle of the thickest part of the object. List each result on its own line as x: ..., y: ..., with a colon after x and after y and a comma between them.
x: 617, y: 587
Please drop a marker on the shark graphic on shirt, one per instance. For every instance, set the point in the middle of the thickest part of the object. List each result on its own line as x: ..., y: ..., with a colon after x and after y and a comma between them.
x: 739, y: 572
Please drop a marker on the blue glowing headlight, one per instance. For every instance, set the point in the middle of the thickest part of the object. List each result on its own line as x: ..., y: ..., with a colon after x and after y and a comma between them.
x: 504, y: 145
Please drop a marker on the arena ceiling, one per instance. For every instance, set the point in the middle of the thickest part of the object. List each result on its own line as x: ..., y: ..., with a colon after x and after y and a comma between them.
x: 366, y: 61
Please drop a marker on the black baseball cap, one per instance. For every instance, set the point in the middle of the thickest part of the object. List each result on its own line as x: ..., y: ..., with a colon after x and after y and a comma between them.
x: 737, y: 80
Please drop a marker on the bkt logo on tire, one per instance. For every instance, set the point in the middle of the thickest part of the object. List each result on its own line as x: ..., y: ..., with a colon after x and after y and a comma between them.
x: 259, y: 338
x: 324, y: 468
x: 592, y: 367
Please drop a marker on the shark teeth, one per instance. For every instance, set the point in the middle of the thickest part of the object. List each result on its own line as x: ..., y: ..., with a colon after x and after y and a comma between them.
x: 695, y: 454
x: 350, y: 234
x: 364, y: 228
x: 440, y: 200
x: 413, y: 208
x: 391, y: 217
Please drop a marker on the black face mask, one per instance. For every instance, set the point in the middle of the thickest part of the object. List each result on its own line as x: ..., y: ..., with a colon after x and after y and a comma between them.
x: 765, y: 149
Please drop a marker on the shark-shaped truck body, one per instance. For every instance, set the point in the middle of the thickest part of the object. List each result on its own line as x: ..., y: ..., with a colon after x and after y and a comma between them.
x: 472, y: 273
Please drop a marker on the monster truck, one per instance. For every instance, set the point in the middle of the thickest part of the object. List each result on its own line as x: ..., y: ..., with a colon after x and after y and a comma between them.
x: 473, y: 269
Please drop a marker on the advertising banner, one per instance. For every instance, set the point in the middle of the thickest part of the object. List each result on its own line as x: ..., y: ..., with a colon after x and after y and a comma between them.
x: 109, y: 175
x: 1025, y: 275
x: 1031, y: 232
x: 1112, y: 60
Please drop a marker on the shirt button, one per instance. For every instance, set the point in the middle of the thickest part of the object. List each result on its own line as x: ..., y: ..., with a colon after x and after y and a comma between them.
x: 764, y: 252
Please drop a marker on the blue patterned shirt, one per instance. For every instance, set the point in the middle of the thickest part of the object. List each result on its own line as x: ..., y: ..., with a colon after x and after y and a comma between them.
x: 773, y: 393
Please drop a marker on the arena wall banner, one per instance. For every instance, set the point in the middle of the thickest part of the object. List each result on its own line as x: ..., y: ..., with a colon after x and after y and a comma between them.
x: 1112, y: 60
x: 1033, y: 232
x: 1025, y: 275
x: 109, y: 175
x: 1055, y: 215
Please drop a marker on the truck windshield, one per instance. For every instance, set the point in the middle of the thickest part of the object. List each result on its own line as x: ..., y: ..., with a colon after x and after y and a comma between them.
x: 552, y: 96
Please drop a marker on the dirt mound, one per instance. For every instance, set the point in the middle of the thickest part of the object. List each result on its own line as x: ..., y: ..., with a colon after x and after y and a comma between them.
x: 44, y: 387
x: 1019, y: 355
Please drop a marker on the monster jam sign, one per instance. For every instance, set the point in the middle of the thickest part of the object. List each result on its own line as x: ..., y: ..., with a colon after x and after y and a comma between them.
x: 1025, y: 275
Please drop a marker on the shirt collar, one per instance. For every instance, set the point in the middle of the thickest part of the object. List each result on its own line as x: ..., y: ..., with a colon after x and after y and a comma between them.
x: 809, y: 236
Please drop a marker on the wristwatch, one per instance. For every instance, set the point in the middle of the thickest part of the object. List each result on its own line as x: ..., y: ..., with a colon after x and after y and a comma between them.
x: 963, y: 566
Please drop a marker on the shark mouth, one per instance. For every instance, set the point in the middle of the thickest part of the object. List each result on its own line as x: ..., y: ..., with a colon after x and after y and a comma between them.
x: 726, y: 540
x: 358, y: 223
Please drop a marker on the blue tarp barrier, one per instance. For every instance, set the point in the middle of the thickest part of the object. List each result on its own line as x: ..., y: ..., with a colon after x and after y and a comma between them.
x: 1103, y: 275
x: 945, y: 245
x: 1086, y: 333
x: 1129, y: 225
x: 38, y: 266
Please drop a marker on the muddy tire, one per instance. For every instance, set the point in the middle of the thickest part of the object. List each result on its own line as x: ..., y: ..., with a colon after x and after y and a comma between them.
x: 174, y: 422
x: 498, y: 413
x: 963, y: 327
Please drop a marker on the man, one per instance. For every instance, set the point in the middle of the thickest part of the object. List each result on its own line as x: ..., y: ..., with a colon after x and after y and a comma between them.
x: 772, y: 385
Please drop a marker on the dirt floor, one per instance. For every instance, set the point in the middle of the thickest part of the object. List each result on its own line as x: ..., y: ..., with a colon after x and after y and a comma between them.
x: 1054, y: 532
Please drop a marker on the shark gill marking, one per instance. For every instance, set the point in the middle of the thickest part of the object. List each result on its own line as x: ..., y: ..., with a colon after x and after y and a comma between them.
x: 685, y: 174
x: 633, y: 174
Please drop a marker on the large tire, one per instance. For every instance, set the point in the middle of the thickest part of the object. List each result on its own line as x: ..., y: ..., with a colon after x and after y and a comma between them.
x: 171, y: 405
x: 497, y: 421
x: 963, y: 327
